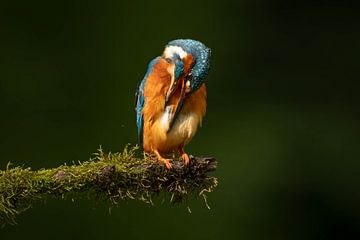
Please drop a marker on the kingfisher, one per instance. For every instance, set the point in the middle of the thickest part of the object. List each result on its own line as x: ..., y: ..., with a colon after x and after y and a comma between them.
x: 171, y: 99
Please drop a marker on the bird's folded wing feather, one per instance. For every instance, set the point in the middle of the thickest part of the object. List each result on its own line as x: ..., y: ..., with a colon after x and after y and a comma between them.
x: 140, y: 100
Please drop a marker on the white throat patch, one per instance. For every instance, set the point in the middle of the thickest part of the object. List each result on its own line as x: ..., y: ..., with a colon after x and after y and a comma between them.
x: 171, y: 50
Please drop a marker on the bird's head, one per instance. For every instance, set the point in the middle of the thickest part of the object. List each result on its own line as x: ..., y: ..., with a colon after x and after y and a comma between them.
x: 191, y: 61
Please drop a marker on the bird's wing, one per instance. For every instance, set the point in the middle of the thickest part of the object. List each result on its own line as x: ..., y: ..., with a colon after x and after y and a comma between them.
x: 140, y: 101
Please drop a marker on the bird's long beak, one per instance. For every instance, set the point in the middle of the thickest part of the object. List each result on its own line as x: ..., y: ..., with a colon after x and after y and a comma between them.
x: 178, y: 106
x: 171, y: 91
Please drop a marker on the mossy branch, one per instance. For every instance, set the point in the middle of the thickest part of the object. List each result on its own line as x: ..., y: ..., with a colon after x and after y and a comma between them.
x: 114, y: 176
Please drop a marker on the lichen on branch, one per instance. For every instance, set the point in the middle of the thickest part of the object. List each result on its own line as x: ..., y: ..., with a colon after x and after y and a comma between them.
x: 112, y: 176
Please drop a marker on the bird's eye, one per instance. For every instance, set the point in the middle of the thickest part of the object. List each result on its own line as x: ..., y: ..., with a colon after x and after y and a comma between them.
x: 168, y: 60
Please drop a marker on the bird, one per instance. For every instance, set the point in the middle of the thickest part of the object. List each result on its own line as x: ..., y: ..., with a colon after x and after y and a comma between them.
x: 170, y: 101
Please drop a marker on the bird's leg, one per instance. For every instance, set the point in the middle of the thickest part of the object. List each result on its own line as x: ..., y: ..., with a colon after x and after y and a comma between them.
x: 184, y: 155
x: 164, y: 160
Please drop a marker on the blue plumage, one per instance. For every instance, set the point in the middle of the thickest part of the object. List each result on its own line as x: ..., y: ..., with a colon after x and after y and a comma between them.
x: 140, y: 100
x: 202, y: 60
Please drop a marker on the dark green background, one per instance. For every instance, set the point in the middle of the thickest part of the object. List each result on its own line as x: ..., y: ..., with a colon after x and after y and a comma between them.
x: 283, y: 112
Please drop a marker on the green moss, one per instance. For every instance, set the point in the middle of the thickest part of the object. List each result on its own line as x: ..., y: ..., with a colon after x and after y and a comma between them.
x: 111, y: 176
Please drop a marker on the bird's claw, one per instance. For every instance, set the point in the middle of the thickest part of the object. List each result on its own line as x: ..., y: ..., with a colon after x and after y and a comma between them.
x: 186, y: 158
x: 167, y: 164
x: 164, y: 160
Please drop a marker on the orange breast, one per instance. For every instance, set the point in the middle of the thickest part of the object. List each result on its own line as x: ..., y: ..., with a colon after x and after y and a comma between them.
x: 196, y: 102
x: 186, y: 124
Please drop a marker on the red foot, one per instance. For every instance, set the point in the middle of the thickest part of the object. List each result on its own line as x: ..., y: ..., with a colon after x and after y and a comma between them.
x: 184, y: 156
x: 164, y: 160
x: 167, y: 164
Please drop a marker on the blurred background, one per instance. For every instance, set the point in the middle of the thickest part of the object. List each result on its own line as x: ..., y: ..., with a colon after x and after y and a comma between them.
x: 283, y: 112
